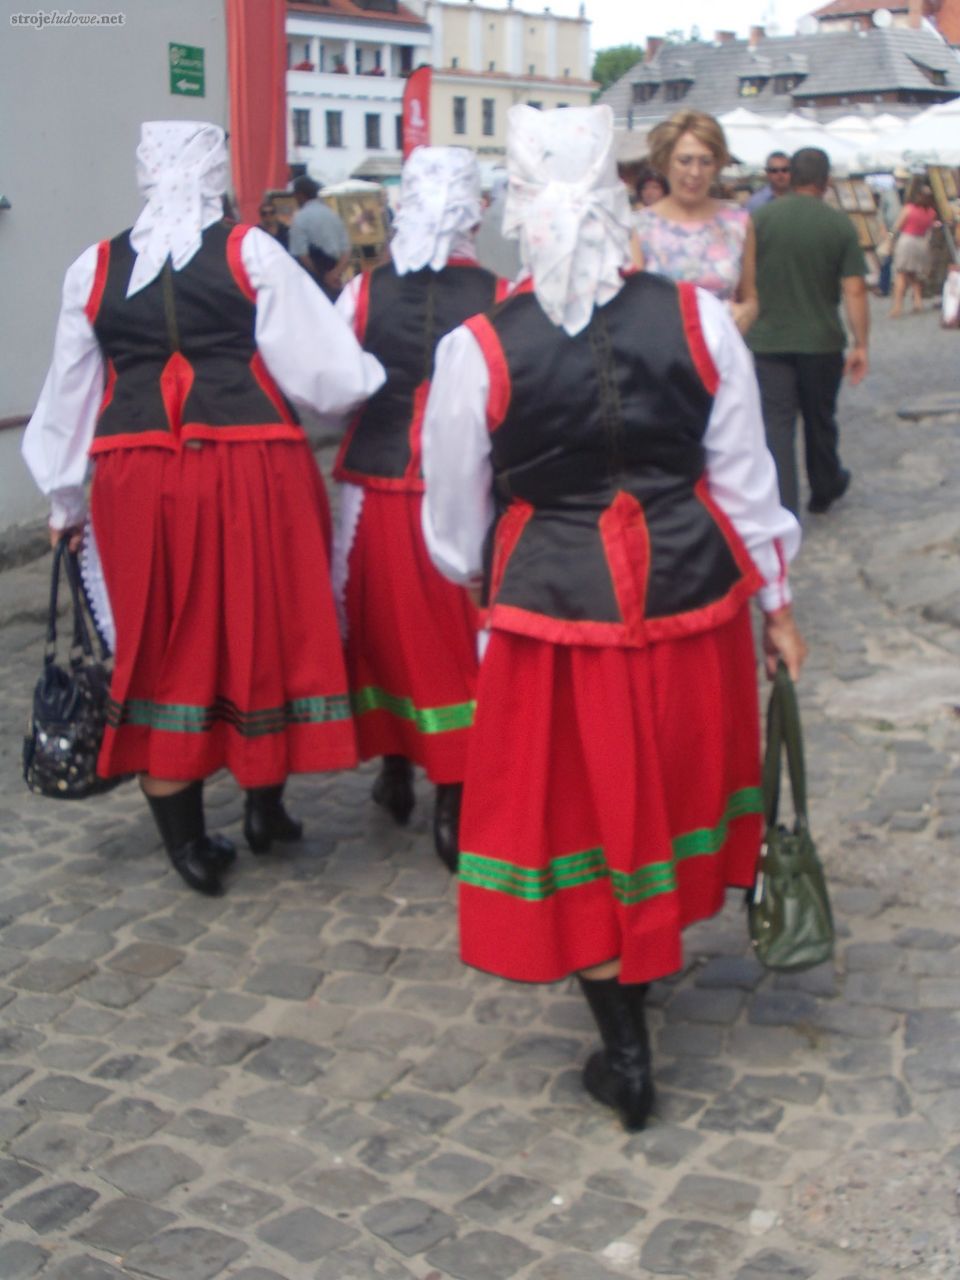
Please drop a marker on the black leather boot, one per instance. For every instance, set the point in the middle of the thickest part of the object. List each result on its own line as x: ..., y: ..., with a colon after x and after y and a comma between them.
x: 446, y: 824
x: 265, y: 819
x: 393, y: 789
x: 619, y: 1075
x: 195, y: 857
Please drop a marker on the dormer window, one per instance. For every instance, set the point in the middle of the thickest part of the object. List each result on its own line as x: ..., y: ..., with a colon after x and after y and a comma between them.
x: 787, y: 83
x: 752, y: 86
x: 646, y: 91
x: 934, y: 75
x: 674, y: 90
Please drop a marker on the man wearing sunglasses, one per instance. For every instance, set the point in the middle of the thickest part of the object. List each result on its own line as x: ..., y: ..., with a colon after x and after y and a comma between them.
x: 778, y: 180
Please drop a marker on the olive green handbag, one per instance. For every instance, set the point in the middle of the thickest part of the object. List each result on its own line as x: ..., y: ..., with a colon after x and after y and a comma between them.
x: 791, y: 924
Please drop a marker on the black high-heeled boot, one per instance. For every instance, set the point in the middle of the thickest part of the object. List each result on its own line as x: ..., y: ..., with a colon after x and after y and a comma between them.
x: 195, y: 857
x: 393, y: 789
x: 619, y: 1075
x: 446, y: 824
x: 265, y: 819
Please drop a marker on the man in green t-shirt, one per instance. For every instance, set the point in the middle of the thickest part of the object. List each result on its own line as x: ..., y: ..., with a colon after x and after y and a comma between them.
x: 808, y: 257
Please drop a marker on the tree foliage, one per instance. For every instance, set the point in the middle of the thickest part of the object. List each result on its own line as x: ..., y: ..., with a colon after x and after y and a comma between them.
x: 610, y: 64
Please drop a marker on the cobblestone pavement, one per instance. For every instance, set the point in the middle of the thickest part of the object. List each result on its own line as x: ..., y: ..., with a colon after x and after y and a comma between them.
x: 300, y: 1081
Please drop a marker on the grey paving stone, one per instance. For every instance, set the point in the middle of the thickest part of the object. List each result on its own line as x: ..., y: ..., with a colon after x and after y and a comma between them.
x: 725, y: 972
x: 64, y: 1093
x: 930, y: 1027
x: 673, y: 1108
x: 230, y: 1006
x: 497, y: 1132
x: 69, y: 1055
x: 812, y: 1134
x: 888, y: 990
x: 366, y: 1261
x: 722, y: 1197
x: 86, y: 1268
x: 114, y: 990
x: 927, y: 939
x: 51, y: 975
x: 269, y: 1160
x: 207, y: 1128
x: 357, y: 989
x: 25, y: 937
x: 452, y: 1173
x: 234, y: 1204
x: 285, y: 981
x: 591, y: 1222
x: 691, y: 1248
x: 146, y: 959
x: 904, y: 1136
x: 693, y: 1040
x: 543, y: 1050
x: 257, y: 1273
x: 416, y: 964
x: 434, y: 998
x: 573, y: 1266
x: 14, y: 1176
x: 342, y: 1129
x: 822, y: 980
x: 663, y: 1146
x: 12, y: 1075
x: 931, y: 1071
x: 386, y: 1031
x: 737, y: 1111
x: 361, y: 1076
x: 482, y: 1255
x: 506, y: 1197
x: 187, y: 1084
x: 448, y: 1070
x: 53, y: 1207
x: 872, y: 956
x: 782, y: 1008
x: 360, y: 957
x: 185, y: 1253
x: 128, y: 1067
x: 20, y: 1260
x: 409, y: 1225
x: 699, y: 1075
x: 173, y: 930
x: 854, y: 1020
x: 421, y: 1112
x: 869, y: 1096
x: 219, y: 1048
x: 803, y: 1087
x: 773, y: 1264
x: 130, y: 1118
x: 693, y: 1004
x: 749, y: 1159
x: 84, y: 1020
x: 169, y: 1001
x: 395, y: 1151
x: 306, y: 1234
x: 340, y: 1188
x: 278, y: 1105
x: 621, y: 1184
x: 34, y: 1010
x: 55, y: 1146
x: 11, y: 960
x: 150, y: 1171
x: 121, y: 1224
x: 862, y: 1058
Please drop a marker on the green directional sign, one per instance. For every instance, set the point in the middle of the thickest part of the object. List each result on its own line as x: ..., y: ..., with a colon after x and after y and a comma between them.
x: 186, y: 70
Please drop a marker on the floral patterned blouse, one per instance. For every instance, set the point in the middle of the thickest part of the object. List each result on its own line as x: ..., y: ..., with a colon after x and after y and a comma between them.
x: 708, y: 253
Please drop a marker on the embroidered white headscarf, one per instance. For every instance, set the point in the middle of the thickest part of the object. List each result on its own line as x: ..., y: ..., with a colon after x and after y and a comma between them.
x: 568, y: 208
x: 440, y: 205
x: 182, y: 174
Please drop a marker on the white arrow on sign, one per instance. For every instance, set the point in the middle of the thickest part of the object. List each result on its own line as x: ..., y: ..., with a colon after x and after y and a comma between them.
x: 186, y: 85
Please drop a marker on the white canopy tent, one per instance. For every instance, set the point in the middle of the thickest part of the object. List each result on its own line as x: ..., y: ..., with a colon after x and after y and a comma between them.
x: 751, y: 137
x: 933, y: 137
x: 875, y: 137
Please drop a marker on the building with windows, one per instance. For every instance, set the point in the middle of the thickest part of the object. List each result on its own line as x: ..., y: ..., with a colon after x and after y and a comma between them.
x: 860, y: 15
x: 487, y: 59
x: 347, y: 63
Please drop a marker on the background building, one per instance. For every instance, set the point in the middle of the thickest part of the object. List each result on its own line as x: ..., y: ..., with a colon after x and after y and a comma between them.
x: 485, y: 60
x: 347, y: 64
x: 860, y: 15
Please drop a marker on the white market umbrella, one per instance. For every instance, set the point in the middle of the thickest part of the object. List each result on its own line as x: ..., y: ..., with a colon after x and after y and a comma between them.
x: 875, y: 138
x: 751, y: 137
x: 933, y: 136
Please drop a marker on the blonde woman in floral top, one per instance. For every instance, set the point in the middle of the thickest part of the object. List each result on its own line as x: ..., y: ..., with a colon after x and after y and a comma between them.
x: 689, y: 235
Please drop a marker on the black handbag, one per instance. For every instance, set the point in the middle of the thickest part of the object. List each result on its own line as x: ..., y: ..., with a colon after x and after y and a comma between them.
x: 69, y: 703
x: 791, y: 924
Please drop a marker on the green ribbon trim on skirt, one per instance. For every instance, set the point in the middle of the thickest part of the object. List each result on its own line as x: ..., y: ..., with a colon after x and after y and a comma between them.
x: 171, y: 717
x: 458, y: 715
x: 571, y: 870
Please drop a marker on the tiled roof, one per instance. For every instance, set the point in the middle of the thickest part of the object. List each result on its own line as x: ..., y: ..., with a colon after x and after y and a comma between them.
x: 837, y: 64
x: 854, y: 8
x: 348, y: 9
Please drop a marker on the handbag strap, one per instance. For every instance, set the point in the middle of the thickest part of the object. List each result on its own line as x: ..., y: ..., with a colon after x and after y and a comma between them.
x: 81, y: 631
x: 58, y: 553
x: 783, y: 732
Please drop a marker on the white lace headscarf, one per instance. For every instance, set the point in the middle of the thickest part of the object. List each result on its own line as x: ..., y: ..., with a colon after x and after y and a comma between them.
x: 568, y: 208
x: 440, y: 207
x: 182, y: 173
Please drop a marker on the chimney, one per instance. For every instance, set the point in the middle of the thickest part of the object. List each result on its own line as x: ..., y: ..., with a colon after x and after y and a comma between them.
x: 724, y: 37
x: 654, y: 45
x: 915, y: 18
x: 757, y: 34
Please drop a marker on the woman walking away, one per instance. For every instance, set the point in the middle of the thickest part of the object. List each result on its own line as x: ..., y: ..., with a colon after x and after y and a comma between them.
x: 411, y: 636
x: 594, y: 446
x: 911, y: 254
x: 180, y: 344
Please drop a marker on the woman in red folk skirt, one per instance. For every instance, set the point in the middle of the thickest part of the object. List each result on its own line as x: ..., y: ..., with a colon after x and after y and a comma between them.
x: 606, y: 424
x: 180, y: 347
x: 411, y: 636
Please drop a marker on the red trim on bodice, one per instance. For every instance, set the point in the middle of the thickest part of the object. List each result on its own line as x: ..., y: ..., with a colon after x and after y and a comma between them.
x: 99, y: 281
x: 235, y: 262
x: 702, y: 359
x: 498, y: 398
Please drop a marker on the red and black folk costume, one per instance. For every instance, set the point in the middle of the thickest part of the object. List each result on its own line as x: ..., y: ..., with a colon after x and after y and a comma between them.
x: 596, y: 448
x: 209, y: 513
x: 410, y: 634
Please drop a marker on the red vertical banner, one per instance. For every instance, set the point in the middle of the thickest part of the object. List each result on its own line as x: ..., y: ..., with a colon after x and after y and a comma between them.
x: 257, y: 74
x: 416, y: 110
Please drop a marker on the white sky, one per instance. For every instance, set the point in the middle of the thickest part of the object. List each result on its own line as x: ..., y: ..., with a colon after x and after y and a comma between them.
x: 631, y: 21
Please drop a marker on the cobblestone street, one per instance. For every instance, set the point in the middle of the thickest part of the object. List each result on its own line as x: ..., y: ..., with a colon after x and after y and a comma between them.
x: 299, y: 1081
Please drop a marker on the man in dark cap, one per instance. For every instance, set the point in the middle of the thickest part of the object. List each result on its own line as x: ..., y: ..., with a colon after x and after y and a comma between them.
x: 318, y: 238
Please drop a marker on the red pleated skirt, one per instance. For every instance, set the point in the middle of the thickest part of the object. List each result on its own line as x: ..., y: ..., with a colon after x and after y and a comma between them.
x: 411, y: 643
x: 228, y: 654
x: 612, y: 795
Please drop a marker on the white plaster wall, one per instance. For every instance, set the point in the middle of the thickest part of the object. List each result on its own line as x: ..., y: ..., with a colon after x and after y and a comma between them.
x: 71, y: 103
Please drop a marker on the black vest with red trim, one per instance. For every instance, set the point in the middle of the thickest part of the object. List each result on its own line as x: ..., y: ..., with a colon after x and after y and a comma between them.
x: 606, y: 532
x: 401, y: 319
x: 182, y: 361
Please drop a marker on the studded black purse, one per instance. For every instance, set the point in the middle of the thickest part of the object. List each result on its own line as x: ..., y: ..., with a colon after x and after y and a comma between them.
x: 69, y: 703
